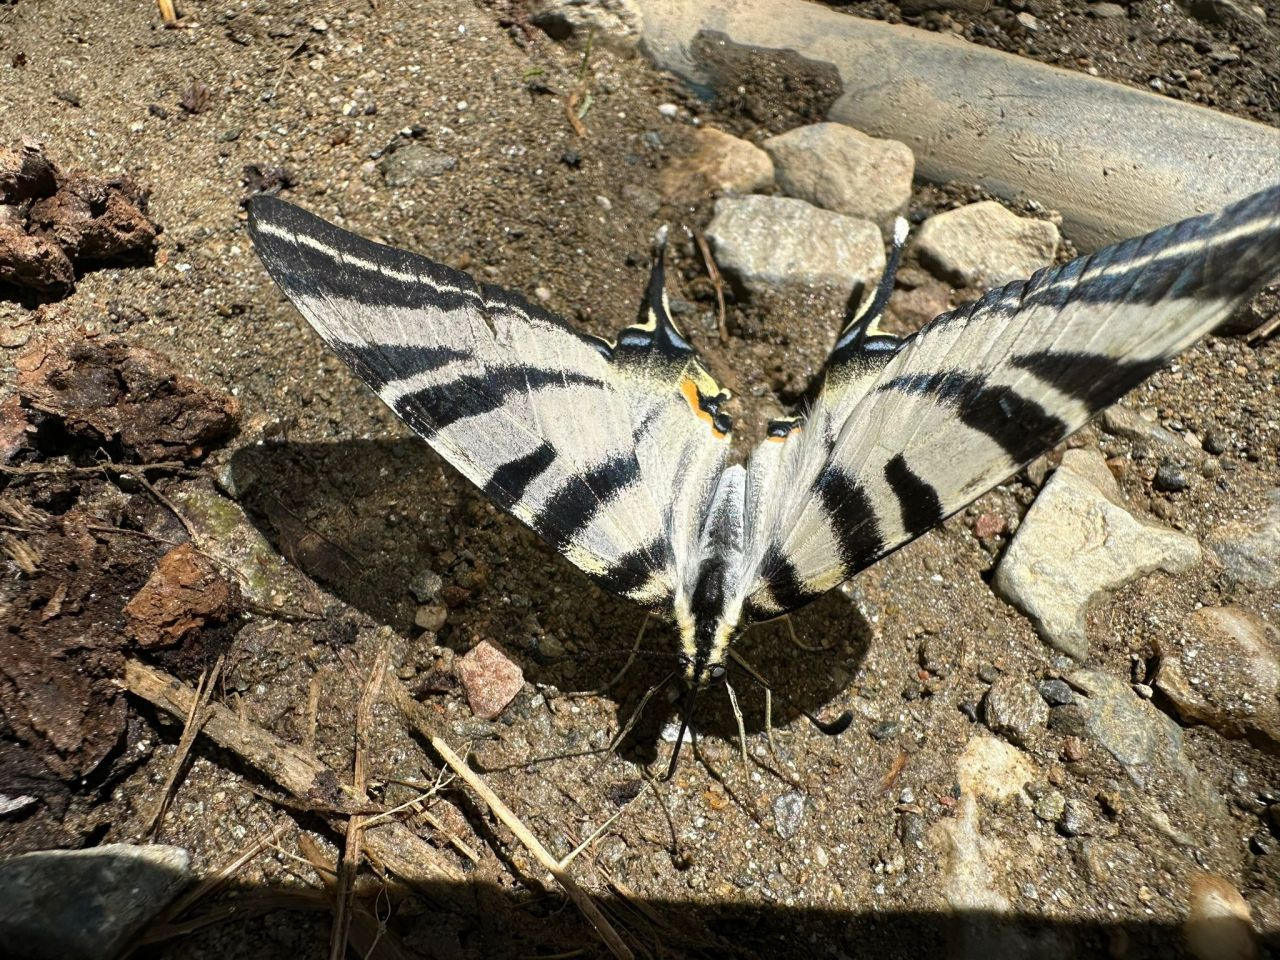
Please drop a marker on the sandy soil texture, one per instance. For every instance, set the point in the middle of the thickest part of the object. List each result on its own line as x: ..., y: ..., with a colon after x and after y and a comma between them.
x: 324, y: 532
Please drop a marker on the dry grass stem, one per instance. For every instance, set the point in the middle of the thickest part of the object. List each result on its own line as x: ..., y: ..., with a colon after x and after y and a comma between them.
x: 392, y: 845
x: 191, y: 727
x: 582, y: 900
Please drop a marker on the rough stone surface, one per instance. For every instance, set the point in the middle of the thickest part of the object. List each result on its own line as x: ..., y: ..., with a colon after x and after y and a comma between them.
x: 186, y: 592
x: 413, y: 162
x: 86, y: 904
x: 984, y: 245
x: 1251, y: 552
x: 1013, y: 709
x: 1148, y: 745
x: 1076, y: 544
x: 1225, y: 672
x: 616, y: 22
x: 763, y: 243
x: 991, y: 769
x: 842, y: 169
x: 490, y: 678
x: 719, y: 163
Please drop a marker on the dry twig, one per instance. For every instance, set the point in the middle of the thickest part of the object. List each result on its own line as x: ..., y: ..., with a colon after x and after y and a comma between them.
x: 717, y: 281
x: 393, y: 845
x: 119, y: 469
x: 195, y: 718
x: 581, y: 898
x: 350, y: 861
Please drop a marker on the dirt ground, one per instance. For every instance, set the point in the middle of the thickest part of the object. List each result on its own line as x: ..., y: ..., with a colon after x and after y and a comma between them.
x: 312, y: 97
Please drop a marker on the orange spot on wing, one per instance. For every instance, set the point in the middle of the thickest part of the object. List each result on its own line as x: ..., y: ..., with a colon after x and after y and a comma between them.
x: 689, y: 390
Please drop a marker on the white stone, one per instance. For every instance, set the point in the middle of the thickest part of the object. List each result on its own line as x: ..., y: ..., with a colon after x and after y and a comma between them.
x: 1078, y: 543
x: 615, y: 22
x: 764, y: 243
x: 984, y: 245
x: 1219, y: 925
x: 838, y: 168
x: 992, y: 769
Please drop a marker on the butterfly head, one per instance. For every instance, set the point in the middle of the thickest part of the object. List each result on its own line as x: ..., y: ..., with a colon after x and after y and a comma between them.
x: 704, y: 647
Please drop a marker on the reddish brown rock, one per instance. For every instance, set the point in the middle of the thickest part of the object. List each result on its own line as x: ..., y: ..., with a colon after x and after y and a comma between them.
x: 490, y: 678
x: 988, y: 526
x: 185, y: 593
x: 34, y: 262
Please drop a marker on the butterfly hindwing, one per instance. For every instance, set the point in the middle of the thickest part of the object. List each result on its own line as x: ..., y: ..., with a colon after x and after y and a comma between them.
x: 935, y: 422
x: 605, y: 450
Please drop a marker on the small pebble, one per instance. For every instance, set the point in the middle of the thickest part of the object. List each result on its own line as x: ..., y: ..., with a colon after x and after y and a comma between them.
x: 668, y: 110
x: 1074, y: 819
x: 1056, y: 693
x: 1050, y: 806
x: 426, y: 586
x: 788, y: 812
x: 1170, y: 477
x: 885, y: 730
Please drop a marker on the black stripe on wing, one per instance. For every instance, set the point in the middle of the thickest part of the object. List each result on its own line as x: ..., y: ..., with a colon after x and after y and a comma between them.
x: 315, y: 257
x: 1094, y: 379
x: 572, y: 507
x: 787, y: 589
x: 440, y: 405
x: 510, y: 481
x: 1021, y: 427
x: 853, y: 521
x: 918, y: 499
x: 633, y: 571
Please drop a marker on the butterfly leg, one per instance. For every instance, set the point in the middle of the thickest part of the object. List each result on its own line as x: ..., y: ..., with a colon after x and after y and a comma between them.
x: 635, y: 648
x: 737, y: 715
x: 791, y: 631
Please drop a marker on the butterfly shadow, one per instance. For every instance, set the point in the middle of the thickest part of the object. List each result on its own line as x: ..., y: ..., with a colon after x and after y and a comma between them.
x: 391, y: 529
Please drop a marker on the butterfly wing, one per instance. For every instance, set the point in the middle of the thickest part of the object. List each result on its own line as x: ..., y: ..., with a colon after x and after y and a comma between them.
x: 907, y: 434
x: 606, y: 450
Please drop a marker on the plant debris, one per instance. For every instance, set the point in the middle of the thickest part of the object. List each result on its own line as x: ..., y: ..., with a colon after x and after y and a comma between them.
x: 103, y: 391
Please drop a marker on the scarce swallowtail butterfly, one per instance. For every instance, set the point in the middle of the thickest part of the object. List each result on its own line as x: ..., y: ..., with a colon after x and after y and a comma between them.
x: 616, y: 452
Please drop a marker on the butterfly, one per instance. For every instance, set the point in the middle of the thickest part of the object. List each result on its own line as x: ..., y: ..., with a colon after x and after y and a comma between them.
x: 617, y: 452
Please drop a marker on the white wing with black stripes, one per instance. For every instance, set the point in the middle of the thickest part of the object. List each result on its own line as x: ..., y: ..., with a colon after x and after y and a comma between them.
x: 906, y: 433
x: 612, y: 452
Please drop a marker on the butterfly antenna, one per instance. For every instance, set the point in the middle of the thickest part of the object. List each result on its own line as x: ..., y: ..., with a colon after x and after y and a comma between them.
x: 832, y: 728
x: 690, y: 698
x: 865, y: 324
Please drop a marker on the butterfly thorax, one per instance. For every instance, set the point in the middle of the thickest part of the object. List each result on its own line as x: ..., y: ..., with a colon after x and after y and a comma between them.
x: 707, y: 625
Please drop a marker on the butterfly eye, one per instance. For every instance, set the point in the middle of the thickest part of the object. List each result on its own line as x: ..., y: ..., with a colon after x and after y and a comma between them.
x: 717, y: 672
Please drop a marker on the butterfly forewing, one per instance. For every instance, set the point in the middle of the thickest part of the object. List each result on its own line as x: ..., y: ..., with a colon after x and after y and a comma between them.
x: 605, y: 452
x: 982, y: 390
